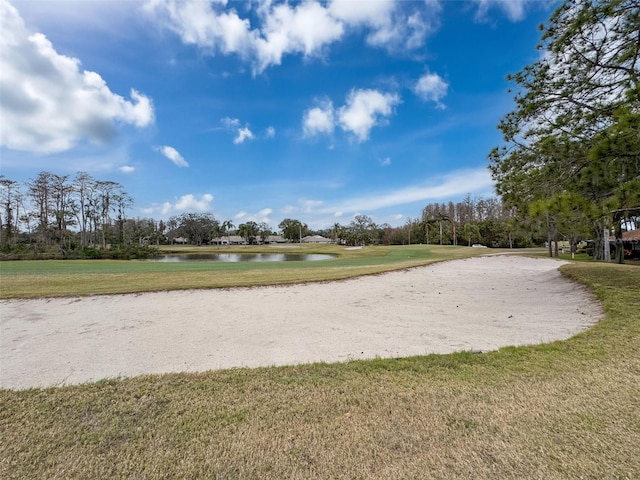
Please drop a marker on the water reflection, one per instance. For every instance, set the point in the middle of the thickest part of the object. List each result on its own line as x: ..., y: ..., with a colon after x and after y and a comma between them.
x: 244, y: 257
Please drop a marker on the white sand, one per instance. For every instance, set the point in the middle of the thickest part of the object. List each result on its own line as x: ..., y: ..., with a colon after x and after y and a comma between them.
x: 481, y: 303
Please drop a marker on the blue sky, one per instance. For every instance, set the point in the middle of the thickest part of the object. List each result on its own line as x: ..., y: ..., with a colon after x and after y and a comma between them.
x: 264, y: 110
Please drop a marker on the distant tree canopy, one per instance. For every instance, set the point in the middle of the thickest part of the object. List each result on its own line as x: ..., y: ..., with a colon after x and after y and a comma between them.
x: 293, y: 229
x: 198, y: 228
x: 60, y: 214
x: 571, y: 153
x: 472, y: 220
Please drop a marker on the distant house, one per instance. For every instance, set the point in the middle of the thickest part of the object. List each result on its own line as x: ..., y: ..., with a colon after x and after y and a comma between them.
x: 275, y: 239
x: 228, y: 240
x: 238, y: 240
x: 316, y: 239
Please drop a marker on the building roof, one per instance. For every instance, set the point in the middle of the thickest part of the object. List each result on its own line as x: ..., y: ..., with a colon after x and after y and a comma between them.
x: 276, y: 239
x: 631, y: 235
x: 316, y: 239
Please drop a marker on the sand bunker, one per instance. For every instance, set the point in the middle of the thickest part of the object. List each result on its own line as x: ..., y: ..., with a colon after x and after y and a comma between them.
x: 481, y: 303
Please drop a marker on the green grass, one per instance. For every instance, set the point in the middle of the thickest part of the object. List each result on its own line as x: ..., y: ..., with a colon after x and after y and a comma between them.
x: 568, y: 409
x: 54, y: 278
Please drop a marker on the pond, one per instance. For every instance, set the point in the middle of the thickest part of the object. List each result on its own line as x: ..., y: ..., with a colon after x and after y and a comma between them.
x: 243, y: 257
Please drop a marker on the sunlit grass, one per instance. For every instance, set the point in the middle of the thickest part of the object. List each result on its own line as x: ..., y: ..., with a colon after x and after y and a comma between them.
x: 54, y: 278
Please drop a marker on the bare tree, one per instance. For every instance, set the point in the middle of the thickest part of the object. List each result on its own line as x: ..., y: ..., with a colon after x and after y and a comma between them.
x: 61, y: 191
x: 84, y: 186
x: 40, y: 192
x: 123, y: 201
x: 106, y: 203
x: 10, y: 197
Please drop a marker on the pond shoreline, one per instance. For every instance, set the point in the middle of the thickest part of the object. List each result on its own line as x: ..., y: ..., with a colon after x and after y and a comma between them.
x: 242, y: 257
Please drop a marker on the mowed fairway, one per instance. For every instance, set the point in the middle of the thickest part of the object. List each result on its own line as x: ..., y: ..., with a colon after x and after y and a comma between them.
x: 55, y: 278
x: 568, y: 409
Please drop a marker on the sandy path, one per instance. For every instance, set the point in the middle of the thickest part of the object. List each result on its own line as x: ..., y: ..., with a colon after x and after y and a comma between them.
x: 474, y: 304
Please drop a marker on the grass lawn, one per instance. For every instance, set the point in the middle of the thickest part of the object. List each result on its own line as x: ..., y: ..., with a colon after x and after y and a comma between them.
x: 54, y: 278
x: 568, y: 409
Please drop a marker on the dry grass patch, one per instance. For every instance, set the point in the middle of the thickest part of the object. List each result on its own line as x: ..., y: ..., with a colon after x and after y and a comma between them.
x: 282, y: 423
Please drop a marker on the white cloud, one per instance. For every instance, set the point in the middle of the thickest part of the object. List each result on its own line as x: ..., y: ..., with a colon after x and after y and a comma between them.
x: 127, y: 169
x: 306, y: 28
x: 454, y: 184
x: 318, y: 120
x: 385, y: 204
x: 385, y: 162
x: 173, y: 155
x: 260, y: 217
x: 270, y: 132
x: 371, y: 12
x: 395, y: 26
x: 191, y: 203
x: 431, y: 87
x: 514, y: 9
x: 308, y: 206
x: 198, y: 22
x: 400, y: 34
x: 188, y: 203
x: 303, y: 207
x: 365, y: 109
x: 323, y: 213
x: 48, y: 104
x: 230, y: 123
x: 243, y: 134
x: 166, y: 208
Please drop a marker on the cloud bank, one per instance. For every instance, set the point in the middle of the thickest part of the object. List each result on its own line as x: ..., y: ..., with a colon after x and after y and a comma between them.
x: 186, y: 203
x: 363, y: 110
x: 306, y: 29
x: 48, y: 103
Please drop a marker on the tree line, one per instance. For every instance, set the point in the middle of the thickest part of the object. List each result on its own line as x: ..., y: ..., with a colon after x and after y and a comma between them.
x: 571, y: 153
x: 473, y: 220
x: 60, y: 213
